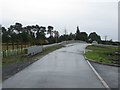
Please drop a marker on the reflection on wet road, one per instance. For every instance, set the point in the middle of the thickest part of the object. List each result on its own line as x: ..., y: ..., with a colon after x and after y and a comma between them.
x: 63, y: 68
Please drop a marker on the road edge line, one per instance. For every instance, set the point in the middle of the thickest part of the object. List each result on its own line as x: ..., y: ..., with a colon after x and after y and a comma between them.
x: 96, y: 73
x: 100, y: 78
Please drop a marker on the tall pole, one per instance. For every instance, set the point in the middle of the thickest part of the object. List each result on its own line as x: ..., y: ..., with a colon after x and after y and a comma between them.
x: 65, y: 35
x: 65, y: 31
x: 105, y: 37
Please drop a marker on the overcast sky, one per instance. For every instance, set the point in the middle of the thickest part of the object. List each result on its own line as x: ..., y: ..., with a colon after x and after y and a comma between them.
x: 100, y: 16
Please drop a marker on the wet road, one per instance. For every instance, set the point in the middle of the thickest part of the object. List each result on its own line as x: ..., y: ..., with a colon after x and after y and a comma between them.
x: 108, y: 73
x: 63, y: 68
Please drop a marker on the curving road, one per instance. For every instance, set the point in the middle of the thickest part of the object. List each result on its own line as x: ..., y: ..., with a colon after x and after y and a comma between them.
x: 63, y: 68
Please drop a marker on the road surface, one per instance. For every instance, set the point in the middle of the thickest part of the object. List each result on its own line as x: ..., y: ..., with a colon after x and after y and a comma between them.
x: 63, y: 68
x: 108, y: 73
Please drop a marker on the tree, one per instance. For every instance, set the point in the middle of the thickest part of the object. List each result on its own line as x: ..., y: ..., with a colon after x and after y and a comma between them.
x: 83, y: 36
x: 13, y: 35
x: 77, y: 34
x: 28, y: 29
x: 50, y: 30
x: 5, y: 36
x: 18, y: 27
x: 71, y: 36
x: 51, y: 39
x: 94, y: 37
x: 56, y: 35
x: 40, y: 35
x: 13, y: 30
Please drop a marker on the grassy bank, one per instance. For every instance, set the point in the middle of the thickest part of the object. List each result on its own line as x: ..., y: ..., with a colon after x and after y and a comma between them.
x: 104, y: 54
x: 21, y: 58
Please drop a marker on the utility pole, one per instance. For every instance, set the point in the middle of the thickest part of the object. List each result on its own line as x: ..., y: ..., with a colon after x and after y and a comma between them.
x: 105, y: 37
x: 65, y: 31
x: 56, y: 33
x: 65, y: 35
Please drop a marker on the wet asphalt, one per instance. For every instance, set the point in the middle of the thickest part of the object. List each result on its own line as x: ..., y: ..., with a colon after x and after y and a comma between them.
x: 108, y: 73
x: 63, y: 68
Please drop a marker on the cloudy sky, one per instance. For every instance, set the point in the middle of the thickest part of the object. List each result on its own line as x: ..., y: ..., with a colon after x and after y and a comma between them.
x: 100, y: 16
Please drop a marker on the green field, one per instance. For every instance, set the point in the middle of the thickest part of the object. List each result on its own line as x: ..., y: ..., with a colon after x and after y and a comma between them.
x: 11, y: 60
x: 104, y: 54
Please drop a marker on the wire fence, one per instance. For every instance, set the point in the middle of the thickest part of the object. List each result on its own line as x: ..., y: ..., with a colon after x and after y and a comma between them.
x: 14, y: 52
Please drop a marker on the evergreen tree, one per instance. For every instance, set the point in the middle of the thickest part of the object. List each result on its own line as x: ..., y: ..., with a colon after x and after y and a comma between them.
x: 83, y: 36
x: 77, y: 34
x: 94, y: 37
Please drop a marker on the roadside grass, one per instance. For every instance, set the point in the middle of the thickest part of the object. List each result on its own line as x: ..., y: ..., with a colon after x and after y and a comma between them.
x: 11, y: 60
x: 104, y: 54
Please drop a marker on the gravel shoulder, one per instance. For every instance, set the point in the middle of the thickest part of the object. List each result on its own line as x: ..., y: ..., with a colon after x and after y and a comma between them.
x: 108, y: 73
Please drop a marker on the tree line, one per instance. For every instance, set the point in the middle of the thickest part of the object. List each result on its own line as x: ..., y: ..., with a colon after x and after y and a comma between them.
x: 36, y: 34
x: 30, y: 34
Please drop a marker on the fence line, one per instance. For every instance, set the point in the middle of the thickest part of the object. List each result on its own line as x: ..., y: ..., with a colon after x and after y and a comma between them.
x: 19, y: 51
x: 11, y: 52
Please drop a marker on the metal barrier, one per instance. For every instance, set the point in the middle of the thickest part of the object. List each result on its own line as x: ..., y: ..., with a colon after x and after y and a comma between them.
x: 33, y: 50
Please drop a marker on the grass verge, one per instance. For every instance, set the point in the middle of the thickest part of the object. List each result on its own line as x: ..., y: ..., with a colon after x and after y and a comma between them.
x: 104, y: 54
x: 11, y: 60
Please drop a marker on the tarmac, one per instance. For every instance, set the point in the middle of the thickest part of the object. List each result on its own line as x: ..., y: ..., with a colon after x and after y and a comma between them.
x: 63, y: 68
